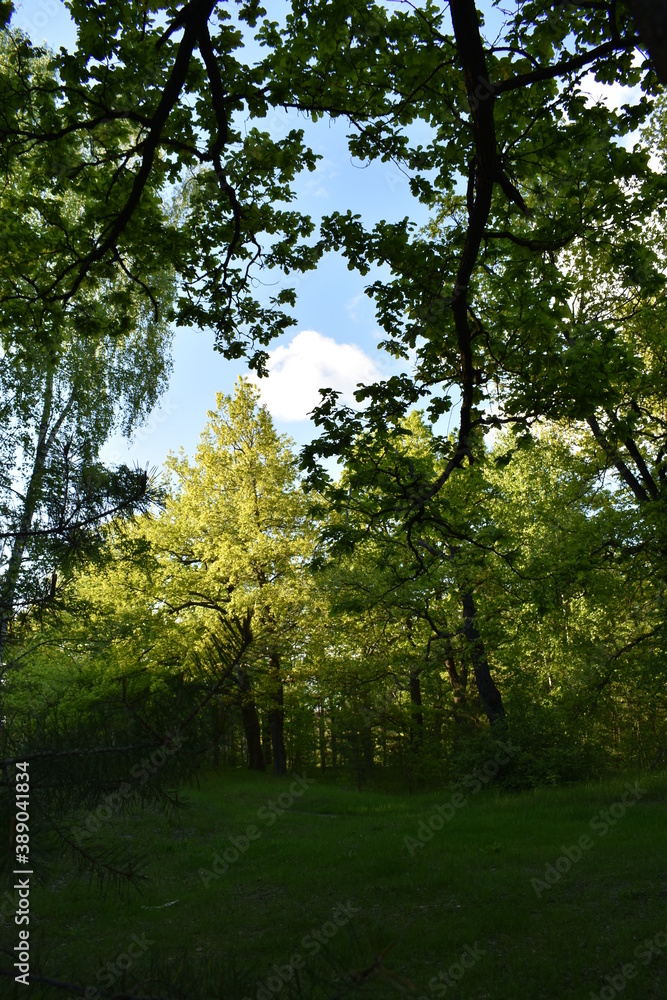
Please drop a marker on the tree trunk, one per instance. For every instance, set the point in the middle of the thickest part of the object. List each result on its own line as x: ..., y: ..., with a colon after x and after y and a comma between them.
x: 364, y: 719
x: 459, y: 682
x: 11, y: 577
x: 650, y: 17
x: 416, y: 714
x: 265, y: 725
x: 438, y: 712
x: 45, y: 440
x: 277, y: 719
x: 322, y: 737
x: 252, y: 736
x: 367, y: 747
x: 251, y: 727
x: 488, y: 692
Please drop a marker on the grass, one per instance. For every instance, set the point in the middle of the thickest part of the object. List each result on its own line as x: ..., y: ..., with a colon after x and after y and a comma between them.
x: 406, y: 913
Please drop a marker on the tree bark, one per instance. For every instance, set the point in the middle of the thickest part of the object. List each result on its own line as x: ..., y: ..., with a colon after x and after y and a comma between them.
x: 459, y: 682
x: 626, y: 474
x: 265, y: 725
x: 650, y: 17
x: 334, y: 745
x: 488, y: 692
x: 367, y: 747
x: 45, y: 439
x: 251, y: 727
x: 322, y: 737
x: 277, y: 719
x: 11, y: 577
x: 416, y: 714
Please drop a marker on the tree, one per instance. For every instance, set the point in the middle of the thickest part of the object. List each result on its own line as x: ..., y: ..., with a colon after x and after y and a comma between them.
x: 232, y: 542
x: 567, y: 604
x: 573, y: 608
x: 59, y: 411
x: 519, y: 169
x: 534, y: 293
x: 68, y: 374
x: 498, y: 110
x: 651, y: 21
x: 130, y: 115
x: 483, y: 297
x: 388, y: 474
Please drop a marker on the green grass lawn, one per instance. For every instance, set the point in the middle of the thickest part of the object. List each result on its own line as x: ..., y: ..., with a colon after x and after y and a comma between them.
x: 335, y: 865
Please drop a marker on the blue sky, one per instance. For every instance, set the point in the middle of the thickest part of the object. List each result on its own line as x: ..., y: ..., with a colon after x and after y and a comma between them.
x: 334, y: 342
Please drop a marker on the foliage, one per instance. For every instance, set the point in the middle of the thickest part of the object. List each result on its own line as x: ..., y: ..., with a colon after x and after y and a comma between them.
x: 69, y: 372
x: 125, y: 120
x: 341, y: 629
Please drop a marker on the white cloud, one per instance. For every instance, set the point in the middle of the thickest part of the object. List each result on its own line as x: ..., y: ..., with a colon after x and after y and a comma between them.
x: 311, y: 362
x: 612, y: 95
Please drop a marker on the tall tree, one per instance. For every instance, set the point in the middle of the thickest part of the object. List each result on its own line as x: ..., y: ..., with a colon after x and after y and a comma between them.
x: 233, y: 539
x: 517, y: 165
x: 68, y: 374
x: 388, y: 473
x: 152, y: 98
x: 520, y: 168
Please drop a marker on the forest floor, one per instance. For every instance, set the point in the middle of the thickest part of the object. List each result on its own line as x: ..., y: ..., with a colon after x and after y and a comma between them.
x: 263, y: 887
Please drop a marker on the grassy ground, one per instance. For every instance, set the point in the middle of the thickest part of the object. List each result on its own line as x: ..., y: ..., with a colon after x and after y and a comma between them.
x: 331, y: 883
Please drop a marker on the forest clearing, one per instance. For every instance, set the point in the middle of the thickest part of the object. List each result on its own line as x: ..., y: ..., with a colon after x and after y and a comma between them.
x: 333, y: 499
